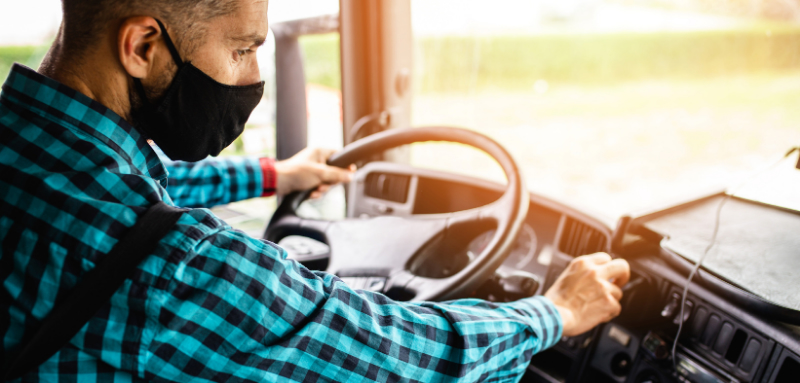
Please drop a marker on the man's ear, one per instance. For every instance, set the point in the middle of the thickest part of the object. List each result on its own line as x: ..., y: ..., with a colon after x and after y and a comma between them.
x: 137, y: 42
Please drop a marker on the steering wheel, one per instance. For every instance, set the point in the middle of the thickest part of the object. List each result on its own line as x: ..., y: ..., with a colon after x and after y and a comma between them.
x: 392, y: 250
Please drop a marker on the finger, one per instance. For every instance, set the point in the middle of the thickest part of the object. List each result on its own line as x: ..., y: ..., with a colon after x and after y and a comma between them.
x: 614, y: 309
x: 617, y: 270
x: 323, y: 188
x: 614, y: 290
x: 323, y: 154
x: 597, y: 258
x: 334, y: 175
x: 315, y: 195
x: 353, y: 168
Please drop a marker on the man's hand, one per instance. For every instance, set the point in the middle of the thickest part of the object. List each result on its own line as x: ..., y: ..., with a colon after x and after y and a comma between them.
x: 588, y: 292
x: 306, y: 170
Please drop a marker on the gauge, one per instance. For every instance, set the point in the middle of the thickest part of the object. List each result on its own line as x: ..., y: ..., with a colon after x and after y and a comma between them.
x: 523, y: 252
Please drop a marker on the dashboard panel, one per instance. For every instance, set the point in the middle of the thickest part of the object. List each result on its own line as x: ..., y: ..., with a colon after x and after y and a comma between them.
x: 721, y: 339
x: 553, y: 233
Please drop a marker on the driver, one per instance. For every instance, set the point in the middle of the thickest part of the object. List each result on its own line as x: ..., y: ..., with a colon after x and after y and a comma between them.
x: 211, y: 303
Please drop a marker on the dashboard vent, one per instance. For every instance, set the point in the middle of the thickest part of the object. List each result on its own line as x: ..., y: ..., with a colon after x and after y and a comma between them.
x: 578, y: 239
x: 389, y: 187
x: 789, y: 371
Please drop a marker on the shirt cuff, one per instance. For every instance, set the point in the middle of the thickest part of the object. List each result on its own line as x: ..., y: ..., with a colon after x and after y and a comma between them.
x: 543, y: 309
x: 268, y: 176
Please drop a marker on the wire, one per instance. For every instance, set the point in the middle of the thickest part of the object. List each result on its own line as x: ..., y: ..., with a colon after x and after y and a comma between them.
x: 713, y: 242
x: 382, y: 118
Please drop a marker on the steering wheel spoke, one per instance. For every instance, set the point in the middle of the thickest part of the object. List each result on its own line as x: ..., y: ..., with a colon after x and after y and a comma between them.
x: 494, y: 213
x: 384, y: 242
x: 284, y: 226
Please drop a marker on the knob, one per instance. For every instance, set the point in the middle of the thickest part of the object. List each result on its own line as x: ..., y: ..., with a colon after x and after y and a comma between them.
x: 621, y: 364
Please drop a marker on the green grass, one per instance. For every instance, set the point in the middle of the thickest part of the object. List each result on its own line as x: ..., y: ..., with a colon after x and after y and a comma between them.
x: 26, y: 55
x: 321, y: 57
x: 622, y: 147
x: 321, y: 53
x: 628, y: 119
x: 460, y: 63
x: 452, y: 64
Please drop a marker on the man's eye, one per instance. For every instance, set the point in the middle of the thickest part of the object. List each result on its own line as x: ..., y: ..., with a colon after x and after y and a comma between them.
x: 242, y: 52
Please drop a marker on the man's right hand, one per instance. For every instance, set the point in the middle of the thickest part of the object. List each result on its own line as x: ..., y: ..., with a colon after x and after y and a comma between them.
x: 587, y: 293
x: 308, y: 169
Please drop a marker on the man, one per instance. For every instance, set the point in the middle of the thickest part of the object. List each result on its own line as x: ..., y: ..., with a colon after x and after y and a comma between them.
x: 76, y: 172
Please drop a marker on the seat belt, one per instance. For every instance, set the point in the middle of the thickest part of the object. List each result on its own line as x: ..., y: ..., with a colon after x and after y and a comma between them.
x: 94, y: 290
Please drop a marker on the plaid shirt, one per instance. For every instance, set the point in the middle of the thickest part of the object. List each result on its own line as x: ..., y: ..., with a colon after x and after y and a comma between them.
x: 210, y: 303
x: 218, y: 181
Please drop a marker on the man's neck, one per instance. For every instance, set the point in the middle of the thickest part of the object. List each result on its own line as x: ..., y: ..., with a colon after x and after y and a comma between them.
x: 90, y: 77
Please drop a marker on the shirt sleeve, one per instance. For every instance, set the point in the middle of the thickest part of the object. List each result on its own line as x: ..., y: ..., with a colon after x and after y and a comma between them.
x: 217, y: 181
x: 234, y: 308
x: 269, y: 175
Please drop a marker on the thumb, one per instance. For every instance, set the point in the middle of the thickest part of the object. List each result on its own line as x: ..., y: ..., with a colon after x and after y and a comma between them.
x: 323, y: 154
x: 333, y: 174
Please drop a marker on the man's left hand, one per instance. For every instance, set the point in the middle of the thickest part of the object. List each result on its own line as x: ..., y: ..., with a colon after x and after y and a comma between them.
x: 308, y: 169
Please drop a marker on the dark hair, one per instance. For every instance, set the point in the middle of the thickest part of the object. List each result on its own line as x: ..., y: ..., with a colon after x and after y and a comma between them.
x: 85, y: 20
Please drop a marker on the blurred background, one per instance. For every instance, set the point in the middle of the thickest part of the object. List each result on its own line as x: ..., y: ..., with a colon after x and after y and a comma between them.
x: 610, y: 105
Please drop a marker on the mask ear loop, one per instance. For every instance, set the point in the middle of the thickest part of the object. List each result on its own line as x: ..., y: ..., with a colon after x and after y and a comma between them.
x: 170, y: 45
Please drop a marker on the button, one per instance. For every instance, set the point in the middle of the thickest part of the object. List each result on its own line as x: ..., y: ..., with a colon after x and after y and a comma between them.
x: 672, y: 306
x: 724, y: 338
x: 621, y: 364
x: 700, y: 318
x: 687, y: 312
x: 618, y: 335
x: 711, y: 330
x: 656, y: 346
x: 750, y: 355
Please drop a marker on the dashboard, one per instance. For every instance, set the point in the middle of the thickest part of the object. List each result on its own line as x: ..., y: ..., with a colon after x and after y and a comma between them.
x: 724, y: 337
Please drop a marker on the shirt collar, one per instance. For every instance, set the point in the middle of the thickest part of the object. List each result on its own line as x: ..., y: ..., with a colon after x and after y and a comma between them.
x: 67, y: 107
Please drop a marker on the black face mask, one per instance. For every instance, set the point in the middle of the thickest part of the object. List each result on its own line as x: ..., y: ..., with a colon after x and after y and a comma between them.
x: 197, y: 115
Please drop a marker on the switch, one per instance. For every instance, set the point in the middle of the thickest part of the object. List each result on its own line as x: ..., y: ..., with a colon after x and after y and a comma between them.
x: 687, y: 312
x: 700, y: 318
x: 672, y: 306
x: 750, y: 355
x: 724, y: 338
x: 711, y: 330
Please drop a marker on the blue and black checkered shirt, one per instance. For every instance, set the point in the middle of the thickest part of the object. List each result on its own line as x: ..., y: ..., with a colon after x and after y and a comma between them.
x: 211, y: 303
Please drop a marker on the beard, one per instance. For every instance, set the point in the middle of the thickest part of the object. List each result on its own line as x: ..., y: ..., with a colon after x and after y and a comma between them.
x: 153, y: 94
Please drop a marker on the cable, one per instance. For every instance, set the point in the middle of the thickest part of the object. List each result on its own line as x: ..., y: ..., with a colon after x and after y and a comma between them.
x: 382, y: 118
x: 713, y: 242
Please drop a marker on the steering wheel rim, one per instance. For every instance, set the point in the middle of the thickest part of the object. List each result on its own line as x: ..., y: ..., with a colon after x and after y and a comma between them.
x: 509, y: 212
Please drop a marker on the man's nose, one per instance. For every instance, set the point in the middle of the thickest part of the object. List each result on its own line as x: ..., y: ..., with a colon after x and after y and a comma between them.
x: 251, y: 74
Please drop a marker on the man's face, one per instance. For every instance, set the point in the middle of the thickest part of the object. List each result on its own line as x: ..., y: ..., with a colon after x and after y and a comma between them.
x: 228, y: 50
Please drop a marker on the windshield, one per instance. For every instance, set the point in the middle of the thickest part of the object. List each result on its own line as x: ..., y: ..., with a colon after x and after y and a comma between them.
x: 612, y: 105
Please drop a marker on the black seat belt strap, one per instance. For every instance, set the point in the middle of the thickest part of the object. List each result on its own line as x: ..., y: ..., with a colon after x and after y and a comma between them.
x: 95, y: 289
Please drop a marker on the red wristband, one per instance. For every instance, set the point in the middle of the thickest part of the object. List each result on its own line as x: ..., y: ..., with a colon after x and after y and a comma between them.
x: 269, y: 176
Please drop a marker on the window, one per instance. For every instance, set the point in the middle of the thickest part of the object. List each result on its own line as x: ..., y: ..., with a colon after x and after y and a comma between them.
x: 612, y: 104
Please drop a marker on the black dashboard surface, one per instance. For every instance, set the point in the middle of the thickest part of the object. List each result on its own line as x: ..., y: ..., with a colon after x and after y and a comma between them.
x: 722, y: 341
x: 757, y: 248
